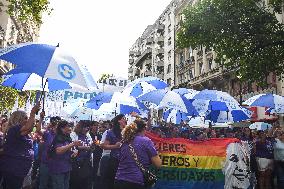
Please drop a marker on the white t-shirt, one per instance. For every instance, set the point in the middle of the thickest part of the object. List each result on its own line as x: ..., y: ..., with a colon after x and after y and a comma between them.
x: 279, y: 150
x: 105, y: 152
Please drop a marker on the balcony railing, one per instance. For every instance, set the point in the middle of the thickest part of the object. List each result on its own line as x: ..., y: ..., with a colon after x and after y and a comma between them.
x: 160, y: 28
x: 149, y: 40
x: 148, y: 73
x: 131, y: 61
x: 160, y: 63
x: 160, y: 51
x: 143, y: 56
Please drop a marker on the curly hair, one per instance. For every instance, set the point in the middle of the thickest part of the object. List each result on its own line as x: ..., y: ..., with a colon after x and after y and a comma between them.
x: 130, y: 131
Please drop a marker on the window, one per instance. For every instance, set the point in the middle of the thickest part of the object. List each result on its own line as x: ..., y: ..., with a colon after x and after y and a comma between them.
x: 169, y: 41
x: 190, y: 74
x: 169, y: 55
x: 169, y: 81
x: 169, y: 68
x: 169, y: 16
x: 210, y: 61
x: 169, y: 28
x: 200, y: 68
x: 181, y: 58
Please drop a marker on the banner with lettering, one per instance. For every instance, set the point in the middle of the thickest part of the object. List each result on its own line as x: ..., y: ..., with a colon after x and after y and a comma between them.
x: 191, y: 164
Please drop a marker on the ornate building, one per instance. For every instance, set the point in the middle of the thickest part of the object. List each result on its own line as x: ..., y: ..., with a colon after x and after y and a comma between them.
x: 13, y: 31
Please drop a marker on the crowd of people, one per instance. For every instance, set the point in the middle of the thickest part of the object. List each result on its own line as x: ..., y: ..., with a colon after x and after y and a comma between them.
x: 98, y: 155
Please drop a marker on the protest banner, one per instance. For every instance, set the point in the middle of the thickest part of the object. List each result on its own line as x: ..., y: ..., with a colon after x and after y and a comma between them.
x: 192, y: 164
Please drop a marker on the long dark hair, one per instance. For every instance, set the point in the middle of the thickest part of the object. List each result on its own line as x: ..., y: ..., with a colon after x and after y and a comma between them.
x: 116, y: 125
x: 60, y: 137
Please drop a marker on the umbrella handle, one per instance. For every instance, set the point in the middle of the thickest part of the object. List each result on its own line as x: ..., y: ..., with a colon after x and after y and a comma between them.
x: 43, y: 84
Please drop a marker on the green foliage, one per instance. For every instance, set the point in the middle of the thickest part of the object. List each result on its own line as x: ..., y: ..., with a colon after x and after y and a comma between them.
x: 104, y: 77
x: 8, y: 97
x: 245, y: 36
x: 27, y: 10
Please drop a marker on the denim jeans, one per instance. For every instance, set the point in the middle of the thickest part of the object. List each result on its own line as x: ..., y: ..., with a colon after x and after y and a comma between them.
x: 43, y: 176
x: 280, y: 174
x: 60, y: 181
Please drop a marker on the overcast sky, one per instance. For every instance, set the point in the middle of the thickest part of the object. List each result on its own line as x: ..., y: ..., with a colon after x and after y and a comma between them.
x: 99, y: 33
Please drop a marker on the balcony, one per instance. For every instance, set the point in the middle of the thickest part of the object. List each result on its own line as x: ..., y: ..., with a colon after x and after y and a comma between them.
x: 160, y: 51
x: 131, y: 61
x: 137, y: 72
x: 148, y: 61
x: 149, y: 40
x: 132, y: 53
x: 160, y: 63
x: 143, y: 56
x: 130, y: 70
x: 160, y: 28
x: 160, y: 76
x: 148, y: 73
x: 160, y: 40
x: 138, y: 53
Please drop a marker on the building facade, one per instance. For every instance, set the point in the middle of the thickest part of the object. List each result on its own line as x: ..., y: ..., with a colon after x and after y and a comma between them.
x: 13, y: 31
x: 155, y: 54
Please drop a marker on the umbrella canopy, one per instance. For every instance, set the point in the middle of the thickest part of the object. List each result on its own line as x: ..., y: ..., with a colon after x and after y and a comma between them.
x: 126, y: 103
x: 46, y: 61
x: 169, y: 99
x: 217, y: 116
x: 30, y: 81
x: 204, y: 107
x: 190, y: 92
x: 144, y: 85
x: 174, y: 116
x: 260, y: 126
x: 82, y: 113
x: 273, y: 101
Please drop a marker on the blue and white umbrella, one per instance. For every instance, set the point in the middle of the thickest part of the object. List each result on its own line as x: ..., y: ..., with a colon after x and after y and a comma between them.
x: 144, y: 85
x: 273, y: 101
x: 260, y: 126
x: 169, y: 99
x: 46, y: 61
x: 120, y: 103
x: 82, y: 113
x: 231, y: 116
x: 190, y: 92
x: 30, y: 81
x: 175, y: 116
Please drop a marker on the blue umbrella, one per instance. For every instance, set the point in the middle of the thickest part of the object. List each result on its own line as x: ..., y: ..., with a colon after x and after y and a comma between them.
x: 183, y: 91
x: 30, y: 81
x: 175, y: 116
x: 143, y: 85
x: 125, y: 104
x: 169, y: 99
x: 218, y: 116
x: 272, y: 101
x: 46, y: 61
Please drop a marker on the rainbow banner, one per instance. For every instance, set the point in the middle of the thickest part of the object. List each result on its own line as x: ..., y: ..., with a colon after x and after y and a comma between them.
x: 191, y: 164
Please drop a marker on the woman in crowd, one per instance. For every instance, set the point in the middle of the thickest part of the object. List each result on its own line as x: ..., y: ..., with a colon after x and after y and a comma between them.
x: 18, y: 153
x: 264, y: 158
x: 47, y: 138
x: 60, y: 154
x: 279, y: 158
x: 129, y: 174
x: 113, y: 143
x: 81, y: 164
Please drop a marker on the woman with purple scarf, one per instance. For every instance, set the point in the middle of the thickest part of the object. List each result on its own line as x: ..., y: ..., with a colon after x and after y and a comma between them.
x: 18, y: 153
